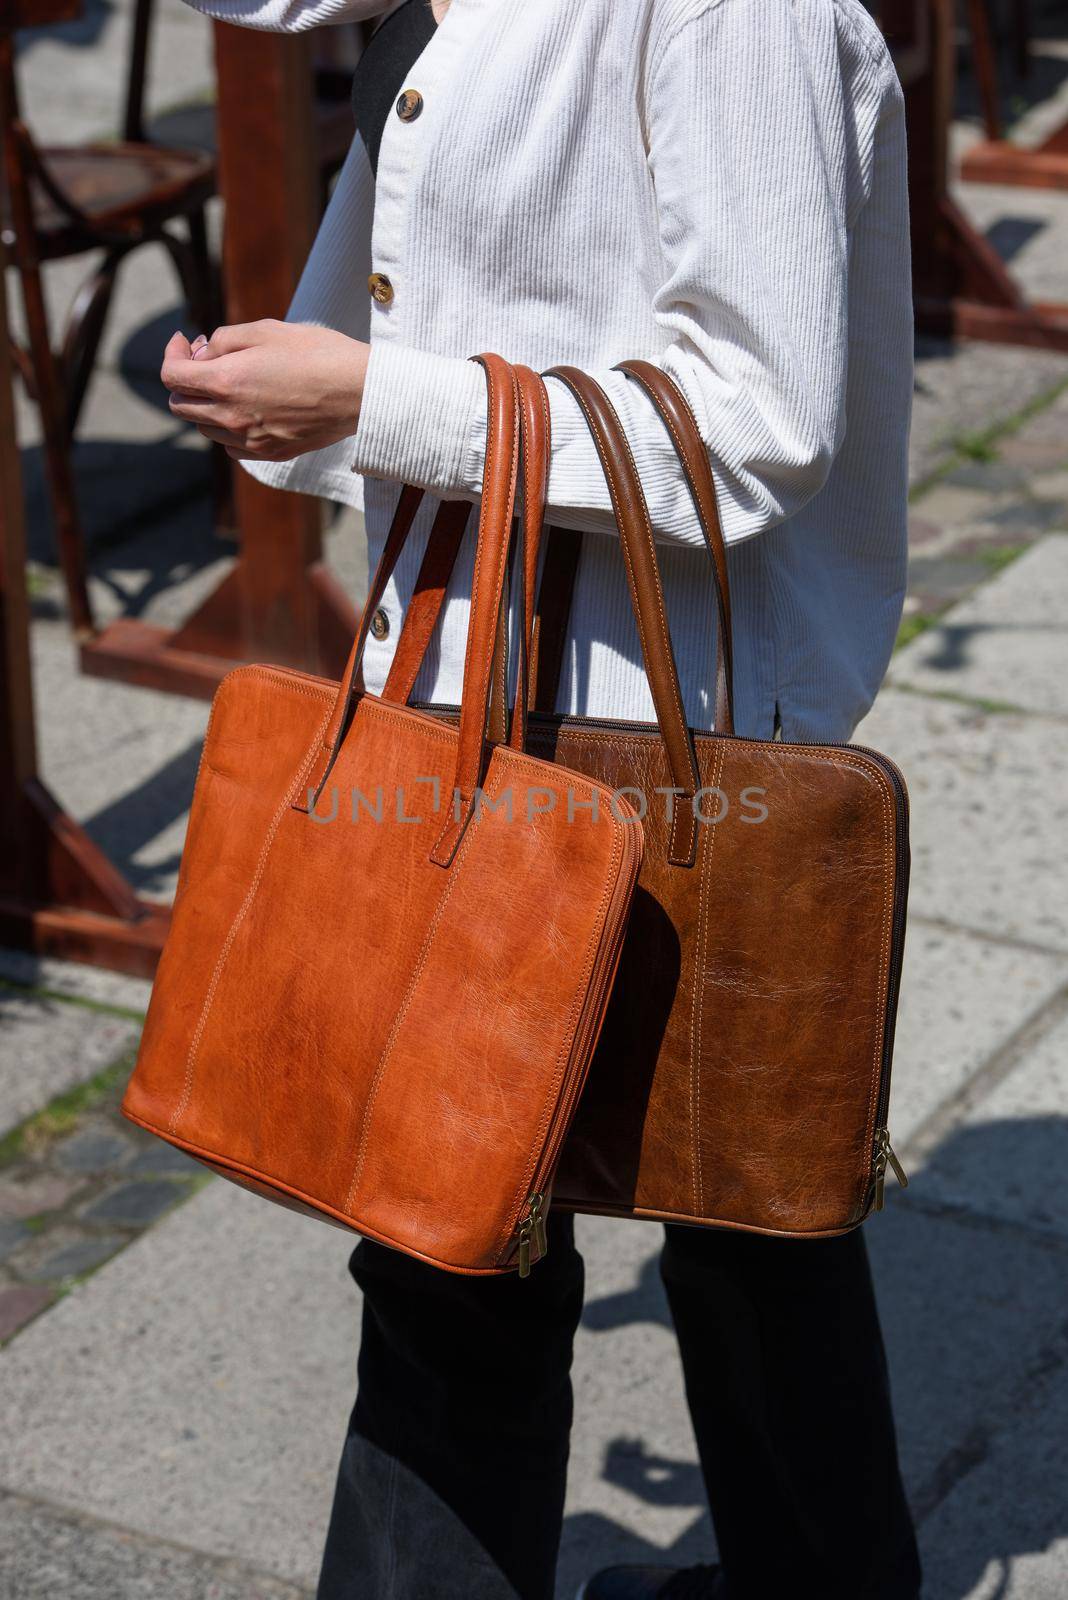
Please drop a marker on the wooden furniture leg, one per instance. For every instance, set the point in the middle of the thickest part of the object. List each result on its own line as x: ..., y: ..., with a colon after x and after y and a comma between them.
x: 985, y: 63
x: 59, y: 894
x: 1000, y: 160
x: 962, y: 287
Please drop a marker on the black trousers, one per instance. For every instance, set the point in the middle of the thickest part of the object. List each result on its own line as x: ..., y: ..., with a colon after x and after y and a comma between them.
x: 451, y: 1485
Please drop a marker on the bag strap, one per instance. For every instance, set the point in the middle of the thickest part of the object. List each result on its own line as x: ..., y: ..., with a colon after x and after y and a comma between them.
x: 681, y: 423
x: 499, y: 486
x: 494, y: 541
x: 536, y: 443
x: 547, y: 628
x: 643, y: 577
x: 675, y: 411
x: 439, y: 561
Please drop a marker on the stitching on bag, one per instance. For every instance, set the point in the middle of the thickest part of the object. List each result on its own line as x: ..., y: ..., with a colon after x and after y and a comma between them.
x: 402, y: 1012
x: 283, y: 807
x: 519, y: 758
x: 697, y: 1030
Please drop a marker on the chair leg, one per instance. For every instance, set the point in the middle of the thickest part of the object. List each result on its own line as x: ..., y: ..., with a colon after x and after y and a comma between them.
x: 70, y: 539
x: 206, y: 290
x: 196, y: 272
x: 85, y: 329
x: 207, y: 287
x: 985, y: 66
x: 1021, y: 36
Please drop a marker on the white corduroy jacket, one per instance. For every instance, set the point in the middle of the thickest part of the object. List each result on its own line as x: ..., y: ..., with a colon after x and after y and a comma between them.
x: 716, y: 185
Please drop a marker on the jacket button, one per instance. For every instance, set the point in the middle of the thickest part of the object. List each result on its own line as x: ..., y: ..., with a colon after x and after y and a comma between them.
x: 381, y: 288
x: 380, y: 624
x: 409, y: 105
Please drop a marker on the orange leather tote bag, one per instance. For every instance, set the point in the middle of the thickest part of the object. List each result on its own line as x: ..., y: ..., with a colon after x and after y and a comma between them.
x: 742, y: 1077
x: 392, y: 944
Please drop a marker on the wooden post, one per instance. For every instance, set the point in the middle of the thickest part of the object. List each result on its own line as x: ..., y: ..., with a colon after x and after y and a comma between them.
x: 962, y: 287
x: 59, y: 894
x: 279, y: 603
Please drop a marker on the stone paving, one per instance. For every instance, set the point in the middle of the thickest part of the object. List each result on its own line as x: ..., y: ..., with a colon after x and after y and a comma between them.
x: 179, y: 1357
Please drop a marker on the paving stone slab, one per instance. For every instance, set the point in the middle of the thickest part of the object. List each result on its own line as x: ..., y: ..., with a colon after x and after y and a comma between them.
x: 163, y: 1160
x: 962, y: 998
x: 19, y: 1304
x: 75, y: 979
x: 1007, y: 1155
x: 48, y: 1046
x: 134, y: 1204
x: 989, y: 797
x: 12, y: 1235
x: 970, y: 387
x: 197, y: 1386
x: 96, y: 1147
x: 47, y: 1554
x: 1007, y: 642
x: 30, y: 1197
x: 1003, y: 1532
x: 74, y: 1258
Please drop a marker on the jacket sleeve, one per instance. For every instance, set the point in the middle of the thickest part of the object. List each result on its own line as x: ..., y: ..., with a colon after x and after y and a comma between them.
x: 760, y: 129
x: 289, y: 16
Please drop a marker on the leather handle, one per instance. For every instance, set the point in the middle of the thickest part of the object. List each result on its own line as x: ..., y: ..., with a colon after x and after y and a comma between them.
x: 643, y: 576
x: 349, y: 687
x: 495, y: 523
x: 439, y: 560
x: 536, y: 444
x: 681, y: 423
x: 499, y: 485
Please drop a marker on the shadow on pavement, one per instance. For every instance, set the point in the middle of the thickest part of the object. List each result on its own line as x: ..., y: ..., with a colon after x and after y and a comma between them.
x: 971, y: 1268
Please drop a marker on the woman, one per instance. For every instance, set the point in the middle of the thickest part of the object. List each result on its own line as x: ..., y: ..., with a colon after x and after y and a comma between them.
x: 719, y: 186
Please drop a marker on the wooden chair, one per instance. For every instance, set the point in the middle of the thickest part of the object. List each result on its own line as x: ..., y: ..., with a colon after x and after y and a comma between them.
x: 108, y: 198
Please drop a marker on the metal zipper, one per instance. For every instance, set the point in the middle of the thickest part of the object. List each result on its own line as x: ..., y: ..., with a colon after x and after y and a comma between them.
x: 532, y: 1229
x: 884, y: 1156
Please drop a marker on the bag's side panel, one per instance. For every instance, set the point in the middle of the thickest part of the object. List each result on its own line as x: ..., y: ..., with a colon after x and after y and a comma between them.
x: 737, y: 1071
x: 467, y: 1085
x: 262, y: 722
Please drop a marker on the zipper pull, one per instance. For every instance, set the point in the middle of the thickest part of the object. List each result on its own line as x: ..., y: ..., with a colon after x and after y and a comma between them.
x: 532, y: 1234
x: 537, y: 1216
x: 884, y: 1157
x: 526, y: 1229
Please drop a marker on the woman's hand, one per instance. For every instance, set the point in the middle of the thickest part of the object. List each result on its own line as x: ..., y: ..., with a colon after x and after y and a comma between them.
x: 268, y: 391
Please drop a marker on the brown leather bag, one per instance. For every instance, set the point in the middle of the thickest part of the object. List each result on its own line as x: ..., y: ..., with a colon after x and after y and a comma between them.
x: 377, y: 1004
x: 743, y: 1073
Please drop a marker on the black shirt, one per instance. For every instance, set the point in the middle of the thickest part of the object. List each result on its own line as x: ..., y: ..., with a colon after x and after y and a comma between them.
x: 382, y: 69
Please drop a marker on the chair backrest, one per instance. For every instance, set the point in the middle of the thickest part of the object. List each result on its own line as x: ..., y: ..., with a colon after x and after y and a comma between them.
x: 15, y: 14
